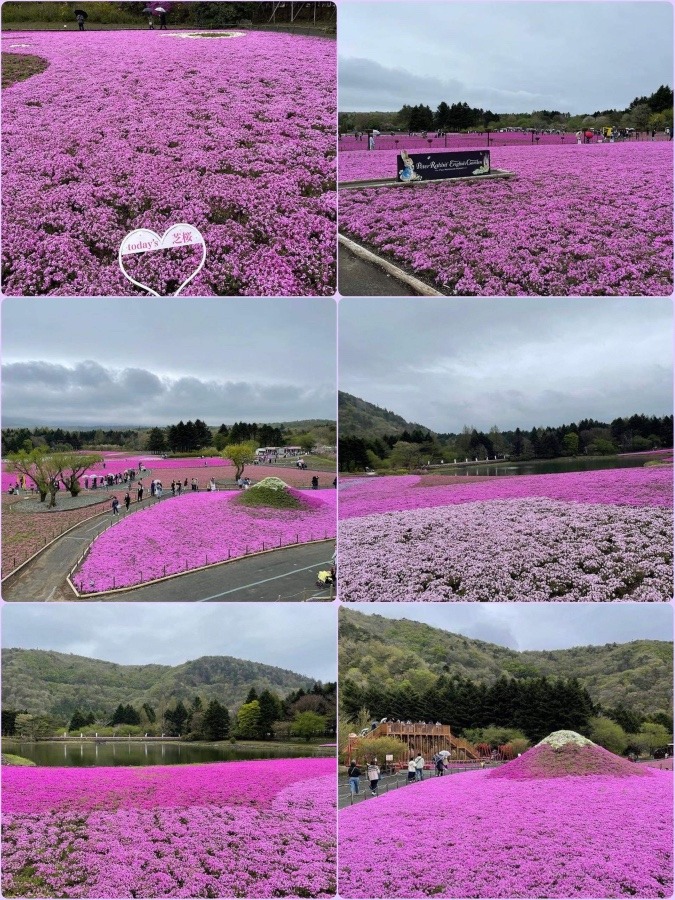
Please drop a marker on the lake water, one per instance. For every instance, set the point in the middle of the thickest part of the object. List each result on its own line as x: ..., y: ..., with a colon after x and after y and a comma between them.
x: 140, y: 753
x: 543, y: 466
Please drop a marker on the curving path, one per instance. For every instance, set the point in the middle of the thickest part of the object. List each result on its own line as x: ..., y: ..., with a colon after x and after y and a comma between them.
x: 286, y: 574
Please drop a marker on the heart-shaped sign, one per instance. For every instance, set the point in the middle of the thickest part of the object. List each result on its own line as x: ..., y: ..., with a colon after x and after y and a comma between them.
x: 144, y: 240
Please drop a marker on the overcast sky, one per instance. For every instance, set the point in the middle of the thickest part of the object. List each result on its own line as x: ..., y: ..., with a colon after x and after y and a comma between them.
x: 299, y: 637
x: 575, y: 57
x: 154, y: 362
x: 538, y: 626
x: 446, y: 363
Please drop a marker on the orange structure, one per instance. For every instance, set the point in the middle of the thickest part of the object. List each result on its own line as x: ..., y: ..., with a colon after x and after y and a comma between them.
x: 420, y: 737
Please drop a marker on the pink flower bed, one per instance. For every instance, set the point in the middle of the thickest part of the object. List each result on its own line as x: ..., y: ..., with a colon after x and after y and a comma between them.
x: 600, y: 535
x: 506, y: 550
x: 244, y: 829
x: 186, y: 532
x: 650, y: 486
x: 137, y: 129
x: 579, y: 220
x: 469, y: 835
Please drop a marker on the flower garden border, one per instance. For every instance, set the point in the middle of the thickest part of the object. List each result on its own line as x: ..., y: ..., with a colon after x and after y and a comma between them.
x: 223, y: 562
x: 420, y: 288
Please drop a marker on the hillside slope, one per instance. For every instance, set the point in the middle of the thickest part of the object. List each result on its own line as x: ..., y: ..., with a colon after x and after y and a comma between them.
x: 374, y: 649
x: 44, y: 681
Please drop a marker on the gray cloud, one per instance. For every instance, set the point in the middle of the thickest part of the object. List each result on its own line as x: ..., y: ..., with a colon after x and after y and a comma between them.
x: 297, y: 637
x: 510, y: 362
x: 89, y: 394
x: 507, y: 56
x: 184, y: 358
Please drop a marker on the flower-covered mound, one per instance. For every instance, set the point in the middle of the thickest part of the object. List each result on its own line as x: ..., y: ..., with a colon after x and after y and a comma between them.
x: 127, y: 130
x: 198, y: 529
x: 470, y: 835
x: 566, y: 753
x: 243, y: 829
x: 603, y: 535
x: 579, y: 220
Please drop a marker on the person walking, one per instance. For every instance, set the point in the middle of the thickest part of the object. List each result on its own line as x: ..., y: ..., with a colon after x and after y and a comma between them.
x: 139, y: 491
x: 354, y: 773
x: 419, y: 767
x: 412, y: 770
x: 438, y: 760
x: 162, y: 21
x: 373, y: 773
x: 80, y: 21
x: 127, y: 500
x: 315, y: 482
x: 115, y: 506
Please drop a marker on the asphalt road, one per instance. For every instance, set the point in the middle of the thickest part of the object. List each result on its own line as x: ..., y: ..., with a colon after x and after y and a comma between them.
x: 358, y: 278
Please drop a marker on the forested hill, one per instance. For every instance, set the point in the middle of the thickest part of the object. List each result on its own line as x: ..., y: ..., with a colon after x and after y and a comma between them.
x: 358, y: 418
x: 377, y: 650
x: 42, y: 681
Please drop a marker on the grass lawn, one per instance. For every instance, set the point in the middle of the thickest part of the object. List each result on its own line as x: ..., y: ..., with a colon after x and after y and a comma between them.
x: 20, y: 66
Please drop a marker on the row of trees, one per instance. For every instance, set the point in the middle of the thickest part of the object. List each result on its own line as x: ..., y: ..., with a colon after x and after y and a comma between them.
x: 588, y: 437
x: 655, y: 111
x: 263, y: 716
x: 533, y: 706
x: 60, y: 439
x: 52, y: 471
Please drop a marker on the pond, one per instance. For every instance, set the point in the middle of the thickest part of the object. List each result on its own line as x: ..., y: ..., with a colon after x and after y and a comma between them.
x: 545, y: 466
x: 151, y: 753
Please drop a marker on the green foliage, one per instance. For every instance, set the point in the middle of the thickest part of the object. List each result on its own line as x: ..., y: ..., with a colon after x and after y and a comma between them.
x: 11, y: 759
x: 248, y: 720
x: 216, y: 722
x: 377, y: 654
x: 241, y: 455
x: 156, y: 441
x: 379, y: 748
x: 308, y: 724
x: 270, y: 492
x: 608, y: 734
x: 43, y: 681
x: 495, y: 736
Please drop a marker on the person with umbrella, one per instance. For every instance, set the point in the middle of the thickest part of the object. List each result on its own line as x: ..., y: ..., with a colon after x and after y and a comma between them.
x: 162, y: 17
x: 80, y: 16
x: 148, y: 12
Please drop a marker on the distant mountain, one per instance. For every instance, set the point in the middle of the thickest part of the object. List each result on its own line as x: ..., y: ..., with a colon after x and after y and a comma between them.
x: 43, y: 681
x: 377, y: 650
x: 358, y: 418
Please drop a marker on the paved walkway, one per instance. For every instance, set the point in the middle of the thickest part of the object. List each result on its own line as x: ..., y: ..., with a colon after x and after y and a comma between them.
x: 358, y: 278
x: 284, y: 572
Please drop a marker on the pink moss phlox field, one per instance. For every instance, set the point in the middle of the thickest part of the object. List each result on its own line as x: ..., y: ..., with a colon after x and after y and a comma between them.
x: 195, y: 529
x: 471, y: 836
x: 546, y: 761
x: 139, y: 129
x: 581, y: 220
x: 595, y: 536
x: 504, y: 550
x: 649, y: 486
x: 251, y: 829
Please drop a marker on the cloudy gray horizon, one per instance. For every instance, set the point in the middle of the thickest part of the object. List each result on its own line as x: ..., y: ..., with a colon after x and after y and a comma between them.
x: 510, y: 57
x: 537, y: 626
x: 511, y: 362
x: 154, y: 362
x: 297, y: 637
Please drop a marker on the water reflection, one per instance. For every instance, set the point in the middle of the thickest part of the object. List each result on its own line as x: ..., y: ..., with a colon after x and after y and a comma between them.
x: 148, y: 753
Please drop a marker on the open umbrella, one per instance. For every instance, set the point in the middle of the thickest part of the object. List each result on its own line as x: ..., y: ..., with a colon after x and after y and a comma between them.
x: 444, y: 753
x: 80, y: 12
x: 159, y: 9
x: 147, y: 11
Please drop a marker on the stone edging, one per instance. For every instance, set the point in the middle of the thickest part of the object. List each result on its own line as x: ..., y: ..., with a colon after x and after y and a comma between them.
x: 418, y: 286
